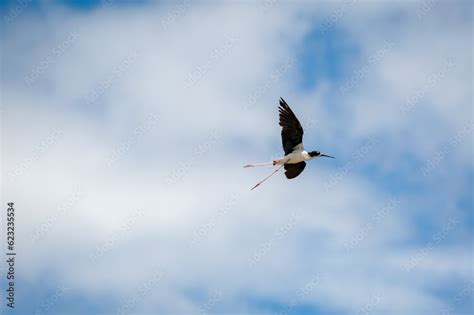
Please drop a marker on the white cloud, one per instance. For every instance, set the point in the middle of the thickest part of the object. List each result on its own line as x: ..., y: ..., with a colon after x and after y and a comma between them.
x: 155, y: 82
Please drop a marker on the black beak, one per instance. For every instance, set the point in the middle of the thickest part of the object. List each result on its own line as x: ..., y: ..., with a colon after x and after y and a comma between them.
x: 332, y: 157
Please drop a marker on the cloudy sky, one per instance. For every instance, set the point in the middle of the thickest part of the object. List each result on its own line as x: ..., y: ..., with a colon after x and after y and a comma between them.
x: 125, y: 126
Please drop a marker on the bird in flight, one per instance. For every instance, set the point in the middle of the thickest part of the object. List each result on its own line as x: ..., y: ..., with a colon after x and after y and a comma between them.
x: 296, y: 156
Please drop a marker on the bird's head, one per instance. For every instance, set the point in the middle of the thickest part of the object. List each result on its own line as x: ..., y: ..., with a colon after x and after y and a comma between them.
x: 314, y: 154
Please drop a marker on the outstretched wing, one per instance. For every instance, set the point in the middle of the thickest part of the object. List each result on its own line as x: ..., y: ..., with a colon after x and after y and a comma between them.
x: 291, y: 132
x: 293, y: 170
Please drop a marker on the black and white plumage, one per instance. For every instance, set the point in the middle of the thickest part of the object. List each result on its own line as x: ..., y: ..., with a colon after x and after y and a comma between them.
x: 296, y: 156
x: 291, y: 137
x: 291, y: 129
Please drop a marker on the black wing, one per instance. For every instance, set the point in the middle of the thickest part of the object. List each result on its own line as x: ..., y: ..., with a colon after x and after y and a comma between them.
x: 291, y: 132
x: 293, y: 170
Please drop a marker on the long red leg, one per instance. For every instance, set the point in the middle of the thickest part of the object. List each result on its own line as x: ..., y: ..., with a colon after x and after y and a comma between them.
x: 263, y: 180
x: 260, y: 164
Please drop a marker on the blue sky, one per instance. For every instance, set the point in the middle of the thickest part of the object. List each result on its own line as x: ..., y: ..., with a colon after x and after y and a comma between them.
x: 125, y: 126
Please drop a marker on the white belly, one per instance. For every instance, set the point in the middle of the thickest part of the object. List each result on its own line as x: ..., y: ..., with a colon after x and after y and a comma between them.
x: 297, y: 157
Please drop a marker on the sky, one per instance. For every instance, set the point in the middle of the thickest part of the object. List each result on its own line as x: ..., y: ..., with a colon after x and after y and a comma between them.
x: 125, y: 126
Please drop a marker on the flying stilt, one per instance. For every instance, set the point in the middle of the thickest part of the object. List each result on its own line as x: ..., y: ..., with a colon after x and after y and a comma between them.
x: 292, y: 140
